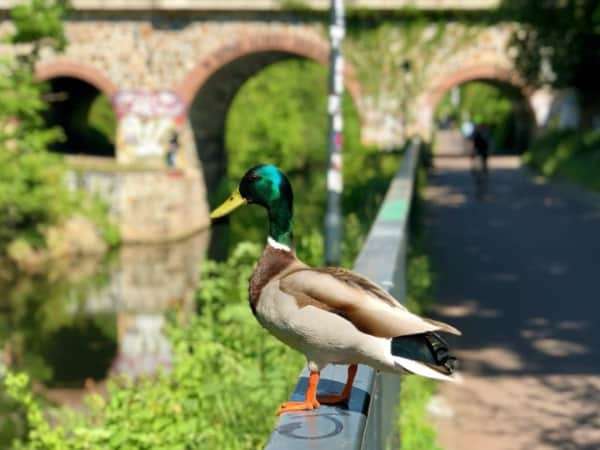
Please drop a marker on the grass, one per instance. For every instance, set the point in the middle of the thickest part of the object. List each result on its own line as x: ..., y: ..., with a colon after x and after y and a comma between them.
x: 567, y: 154
x: 416, y: 431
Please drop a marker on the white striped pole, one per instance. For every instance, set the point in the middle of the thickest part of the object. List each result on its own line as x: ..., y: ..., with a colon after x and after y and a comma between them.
x: 333, y: 215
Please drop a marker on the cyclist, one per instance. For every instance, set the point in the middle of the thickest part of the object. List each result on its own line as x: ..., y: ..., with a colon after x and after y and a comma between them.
x: 481, y: 146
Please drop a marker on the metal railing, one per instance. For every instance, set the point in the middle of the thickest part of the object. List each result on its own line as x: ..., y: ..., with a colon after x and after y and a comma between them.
x: 368, y: 422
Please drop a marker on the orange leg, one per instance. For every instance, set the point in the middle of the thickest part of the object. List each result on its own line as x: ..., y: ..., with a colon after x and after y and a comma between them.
x: 345, y: 394
x: 310, y: 399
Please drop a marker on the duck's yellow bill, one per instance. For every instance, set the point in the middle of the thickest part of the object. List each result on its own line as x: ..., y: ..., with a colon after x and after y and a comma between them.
x: 234, y: 201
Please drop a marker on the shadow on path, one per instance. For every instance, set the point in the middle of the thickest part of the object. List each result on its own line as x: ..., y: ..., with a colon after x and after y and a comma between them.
x: 518, y: 272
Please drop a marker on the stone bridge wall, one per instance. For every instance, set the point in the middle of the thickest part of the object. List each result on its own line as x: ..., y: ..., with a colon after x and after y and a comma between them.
x: 125, y: 51
x: 179, y: 70
x: 149, y: 205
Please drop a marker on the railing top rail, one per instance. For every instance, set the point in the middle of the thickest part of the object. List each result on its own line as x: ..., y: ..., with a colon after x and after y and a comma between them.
x: 382, y: 260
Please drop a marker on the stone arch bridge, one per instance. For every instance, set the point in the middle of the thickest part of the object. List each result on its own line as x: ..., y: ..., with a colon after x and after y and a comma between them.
x: 173, y: 68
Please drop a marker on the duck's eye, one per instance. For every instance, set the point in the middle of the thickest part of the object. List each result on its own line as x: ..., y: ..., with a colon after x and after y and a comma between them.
x: 253, y: 177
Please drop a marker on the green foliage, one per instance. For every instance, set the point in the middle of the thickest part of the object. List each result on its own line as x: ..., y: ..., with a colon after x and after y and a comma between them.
x: 279, y: 117
x: 21, y: 106
x: 420, y: 281
x: 102, y: 119
x: 223, y: 353
x: 222, y: 392
x: 380, y: 51
x: 479, y: 101
x: 225, y: 364
x: 33, y: 193
x: 486, y: 103
x: 97, y: 210
x: 558, y: 41
x: 567, y: 154
x: 295, y: 5
x: 416, y: 431
x: 31, y: 180
x: 228, y: 377
x: 37, y: 307
x: 393, y: 56
x: 16, y: 386
x: 39, y: 22
x: 419, y: 272
x: 42, y: 322
x: 12, y: 419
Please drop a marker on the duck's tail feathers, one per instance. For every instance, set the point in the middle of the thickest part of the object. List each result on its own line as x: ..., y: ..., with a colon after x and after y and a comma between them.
x: 417, y: 368
x: 425, y: 354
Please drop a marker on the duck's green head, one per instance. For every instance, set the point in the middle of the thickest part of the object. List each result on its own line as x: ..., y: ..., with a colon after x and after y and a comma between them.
x: 267, y: 186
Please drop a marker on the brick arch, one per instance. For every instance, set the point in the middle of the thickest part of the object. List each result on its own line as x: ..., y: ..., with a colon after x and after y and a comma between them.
x: 208, y: 90
x: 313, y: 48
x: 490, y: 73
x: 484, y: 72
x: 67, y: 68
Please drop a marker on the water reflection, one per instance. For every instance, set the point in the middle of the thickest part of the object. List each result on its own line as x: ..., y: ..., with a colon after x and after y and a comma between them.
x: 99, y: 317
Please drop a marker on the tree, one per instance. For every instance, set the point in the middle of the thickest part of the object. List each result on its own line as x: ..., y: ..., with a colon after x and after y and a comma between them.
x: 33, y: 193
x: 37, y: 24
x: 558, y: 43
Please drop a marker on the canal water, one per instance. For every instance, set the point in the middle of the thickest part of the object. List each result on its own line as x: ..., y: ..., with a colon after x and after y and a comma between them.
x: 92, y: 318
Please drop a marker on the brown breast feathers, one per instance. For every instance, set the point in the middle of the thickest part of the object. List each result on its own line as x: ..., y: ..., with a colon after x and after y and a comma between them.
x: 272, y: 262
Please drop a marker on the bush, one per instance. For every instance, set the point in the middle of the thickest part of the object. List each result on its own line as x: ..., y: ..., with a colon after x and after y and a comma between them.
x: 218, y: 354
x: 229, y: 374
x: 416, y: 431
x: 33, y: 190
x: 222, y: 392
x: 569, y: 154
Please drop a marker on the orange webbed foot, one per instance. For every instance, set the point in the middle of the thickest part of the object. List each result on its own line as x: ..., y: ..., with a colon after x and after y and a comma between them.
x: 310, y: 400
x: 298, y: 406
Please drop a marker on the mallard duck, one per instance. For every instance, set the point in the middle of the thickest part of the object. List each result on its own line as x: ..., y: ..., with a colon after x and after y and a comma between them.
x: 331, y: 315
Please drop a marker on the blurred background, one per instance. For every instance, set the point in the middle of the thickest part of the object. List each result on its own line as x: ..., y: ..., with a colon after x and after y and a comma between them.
x: 123, y: 123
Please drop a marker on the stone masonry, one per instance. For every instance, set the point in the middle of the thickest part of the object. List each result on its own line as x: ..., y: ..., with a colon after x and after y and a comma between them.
x: 149, y: 205
x: 176, y: 70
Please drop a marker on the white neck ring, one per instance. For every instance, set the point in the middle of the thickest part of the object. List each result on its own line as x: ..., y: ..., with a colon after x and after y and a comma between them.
x: 278, y: 245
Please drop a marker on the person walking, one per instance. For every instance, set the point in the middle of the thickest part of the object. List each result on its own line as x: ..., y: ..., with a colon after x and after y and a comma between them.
x: 481, y: 146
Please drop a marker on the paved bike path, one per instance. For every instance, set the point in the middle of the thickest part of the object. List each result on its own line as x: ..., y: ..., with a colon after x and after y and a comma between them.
x: 519, y: 273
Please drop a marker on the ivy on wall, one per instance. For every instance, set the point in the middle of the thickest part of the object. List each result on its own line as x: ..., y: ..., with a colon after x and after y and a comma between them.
x: 394, y: 59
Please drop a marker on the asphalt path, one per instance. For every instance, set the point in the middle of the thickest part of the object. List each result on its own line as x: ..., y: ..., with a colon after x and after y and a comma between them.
x: 518, y: 271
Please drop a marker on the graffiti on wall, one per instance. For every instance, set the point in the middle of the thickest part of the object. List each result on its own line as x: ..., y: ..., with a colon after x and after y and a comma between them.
x: 149, y: 127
